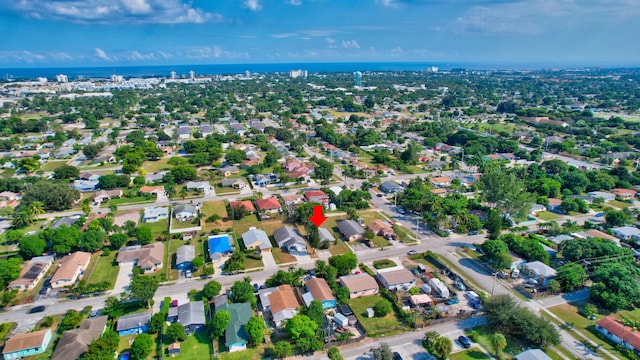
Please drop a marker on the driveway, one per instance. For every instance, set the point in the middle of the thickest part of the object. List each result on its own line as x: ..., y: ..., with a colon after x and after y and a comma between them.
x: 125, y: 274
x: 268, y: 260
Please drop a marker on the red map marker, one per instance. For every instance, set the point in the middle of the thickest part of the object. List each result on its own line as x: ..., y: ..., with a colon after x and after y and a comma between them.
x: 317, y: 219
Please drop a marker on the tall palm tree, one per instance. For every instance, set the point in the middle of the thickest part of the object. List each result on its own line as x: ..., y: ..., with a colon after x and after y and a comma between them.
x: 36, y: 208
x: 86, y: 206
x: 442, y: 347
x: 113, y: 208
x: 21, y: 219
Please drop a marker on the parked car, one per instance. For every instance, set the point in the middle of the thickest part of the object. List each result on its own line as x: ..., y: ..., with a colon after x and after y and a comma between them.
x: 124, y: 356
x: 452, y: 301
x: 188, y: 274
x: 174, y: 303
x: 256, y: 287
x: 396, y: 356
x: 473, y: 232
x: 464, y: 341
x: 37, y: 309
x: 412, y: 252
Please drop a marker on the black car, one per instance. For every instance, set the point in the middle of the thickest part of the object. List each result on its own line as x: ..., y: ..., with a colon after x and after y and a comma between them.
x: 255, y: 287
x: 396, y: 356
x: 37, y: 309
x: 464, y: 341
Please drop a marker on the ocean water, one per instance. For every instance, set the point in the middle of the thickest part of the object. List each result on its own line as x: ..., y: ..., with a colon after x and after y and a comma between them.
x: 231, y: 69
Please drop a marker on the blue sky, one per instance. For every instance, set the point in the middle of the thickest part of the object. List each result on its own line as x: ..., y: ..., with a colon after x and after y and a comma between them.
x: 43, y: 33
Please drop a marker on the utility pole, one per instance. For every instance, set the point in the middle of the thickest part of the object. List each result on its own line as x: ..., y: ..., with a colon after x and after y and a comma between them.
x: 495, y: 276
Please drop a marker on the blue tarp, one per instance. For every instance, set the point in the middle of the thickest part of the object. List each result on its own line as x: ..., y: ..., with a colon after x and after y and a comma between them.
x: 219, y: 244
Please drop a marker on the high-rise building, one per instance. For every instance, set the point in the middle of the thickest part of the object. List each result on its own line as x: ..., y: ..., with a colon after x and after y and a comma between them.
x: 357, y: 78
x: 117, y: 78
x: 192, y: 75
x: 432, y: 69
x: 173, y: 75
x: 298, y: 73
x: 62, y: 78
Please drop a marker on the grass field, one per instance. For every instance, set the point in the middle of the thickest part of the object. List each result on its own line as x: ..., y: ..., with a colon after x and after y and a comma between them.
x: 52, y: 165
x: 547, y: 216
x: 157, y: 227
x: 105, y: 270
x: 468, y: 354
x: 376, y: 326
x: 383, y: 264
x: 619, y: 204
x: 196, y: 346
x: 215, y: 207
x: 155, y: 166
x: 282, y: 257
x: 241, y: 226
x: 570, y: 313
x: 339, y: 248
x: 249, y: 354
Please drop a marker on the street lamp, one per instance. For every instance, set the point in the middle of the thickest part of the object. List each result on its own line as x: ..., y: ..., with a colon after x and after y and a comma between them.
x: 495, y: 276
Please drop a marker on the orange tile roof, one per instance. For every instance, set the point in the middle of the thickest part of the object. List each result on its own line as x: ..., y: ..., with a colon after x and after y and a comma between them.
x: 268, y: 204
x: 319, y: 289
x: 283, y: 299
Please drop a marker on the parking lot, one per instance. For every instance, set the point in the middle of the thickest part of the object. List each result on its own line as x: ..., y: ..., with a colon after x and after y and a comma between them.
x: 412, y: 351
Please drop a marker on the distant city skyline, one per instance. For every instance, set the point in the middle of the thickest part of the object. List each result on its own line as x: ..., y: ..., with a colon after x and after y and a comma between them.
x: 99, y: 33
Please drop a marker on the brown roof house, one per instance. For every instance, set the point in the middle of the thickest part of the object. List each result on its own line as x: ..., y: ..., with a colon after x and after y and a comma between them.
x: 624, y: 194
x: 154, y: 190
x: 71, y: 268
x: 396, y: 279
x: 283, y: 304
x: 29, y: 344
x: 268, y: 206
x: 247, y: 204
x: 359, y: 285
x: 148, y: 257
x: 318, y: 289
x: 32, y: 273
x: 381, y: 228
x: 74, y: 343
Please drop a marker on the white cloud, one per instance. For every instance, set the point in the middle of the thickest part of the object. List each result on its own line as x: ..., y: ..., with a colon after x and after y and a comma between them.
x: 165, y: 55
x: 294, y: 2
x: 213, y: 52
x: 102, y: 54
x: 350, y: 44
x: 284, y: 35
x: 137, y: 56
x: 387, y: 3
x: 330, y: 40
x: 253, y: 5
x: 113, y: 11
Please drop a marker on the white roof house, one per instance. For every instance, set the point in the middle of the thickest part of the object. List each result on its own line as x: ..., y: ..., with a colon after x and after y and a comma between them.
x: 154, y: 214
x: 626, y: 232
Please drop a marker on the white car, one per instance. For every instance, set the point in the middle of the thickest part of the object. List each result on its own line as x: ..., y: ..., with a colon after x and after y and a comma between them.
x: 412, y: 252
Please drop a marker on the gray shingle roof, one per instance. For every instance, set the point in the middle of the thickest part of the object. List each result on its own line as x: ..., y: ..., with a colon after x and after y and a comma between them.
x: 133, y: 321
x: 191, y: 313
x: 253, y: 235
x: 185, y: 253
x: 349, y: 228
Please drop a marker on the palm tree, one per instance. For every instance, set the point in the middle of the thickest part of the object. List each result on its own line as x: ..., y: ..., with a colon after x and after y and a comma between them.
x: 442, y: 347
x: 86, y: 206
x: 183, y: 193
x: 21, y: 219
x: 36, y: 208
x: 113, y: 208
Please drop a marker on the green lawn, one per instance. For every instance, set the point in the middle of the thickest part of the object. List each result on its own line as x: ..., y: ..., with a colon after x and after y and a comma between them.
x: 157, y: 227
x: 619, y: 204
x: 175, y: 224
x: 52, y: 165
x: 129, y: 200
x: 547, y: 216
x: 241, y: 226
x: 282, y: 257
x: 105, y: 270
x: 375, y: 326
x: 383, y: 264
x: 569, y: 313
x: 249, y: 354
x: 468, y: 354
x: 339, y: 248
x: 197, y: 346
x: 155, y: 166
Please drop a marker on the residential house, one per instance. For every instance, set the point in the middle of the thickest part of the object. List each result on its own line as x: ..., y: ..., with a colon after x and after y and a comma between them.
x: 288, y: 238
x: 154, y: 190
x: 396, y: 278
x: 390, y: 187
x: 291, y: 199
x: 554, y: 205
x: 283, y: 304
x: 359, y: 285
x: 228, y: 170
x: 599, y: 234
x: 85, y: 185
x: 626, y: 232
x: 257, y: 126
x: 325, y: 236
x: 533, y: 354
x: 381, y: 228
x: 173, y: 350
x: 238, y: 129
x: 268, y: 206
x: 74, y: 343
x: 624, y: 194
x: 441, y: 181
x: 317, y: 196
x: 206, y: 130
x: 191, y: 316
x: 32, y: 273
x: 148, y: 257
x: 318, y: 289
x: 88, y: 176
x: 103, y: 195
x: 8, y: 195
x: 618, y: 333
x: 439, y: 191
x: 421, y: 300
x: 184, y: 255
x: 256, y: 239
x: 198, y: 185
x: 539, y: 271
x: 155, y: 214
x: 536, y: 208
x: 233, y: 183
x: 246, y: 204
x: 235, y: 336
x: 63, y: 221
x: 71, y: 268
x: 133, y: 324
x: 28, y: 344
x: 606, y: 196
x: 184, y: 132
x: 351, y: 230
x: 184, y: 212
x: 155, y: 177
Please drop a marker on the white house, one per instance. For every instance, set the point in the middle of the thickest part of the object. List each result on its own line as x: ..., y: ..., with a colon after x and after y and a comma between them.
x: 396, y: 278
x: 185, y: 212
x: 627, y: 232
x: 155, y: 214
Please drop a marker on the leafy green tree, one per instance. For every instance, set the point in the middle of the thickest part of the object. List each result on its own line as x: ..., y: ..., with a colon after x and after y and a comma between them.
x: 117, y: 240
x: 141, y: 347
x: 155, y: 325
x: 143, y: 288
x: 499, y: 342
x: 211, y: 289
x: 92, y: 240
x: 71, y: 320
x: 175, y: 331
x: 323, y: 170
x: 66, y: 172
x: 219, y: 323
x: 383, y: 352
x: 197, y: 262
x: 255, y: 330
x: 104, y: 347
x: 315, y: 312
x: 144, y: 235
x: 31, y: 246
x: 382, y: 308
x: 9, y: 270
x: 242, y: 291
x: 291, y: 277
x: 571, y: 275
x: 494, y: 224
x: 344, y: 263
x: 282, y: 349
x: 183, y: 173
x: 615, y: 217
x: 334, y: 353
x: 442, y: 347
x: 234, y: 156
x: 300, y: 326
x: 505, y: 191
x: 54, y: 195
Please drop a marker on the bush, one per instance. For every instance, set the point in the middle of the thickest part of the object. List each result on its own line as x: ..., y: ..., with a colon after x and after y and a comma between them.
x: 254, y: 256
x: 212, y: 218
x: 382, y: 308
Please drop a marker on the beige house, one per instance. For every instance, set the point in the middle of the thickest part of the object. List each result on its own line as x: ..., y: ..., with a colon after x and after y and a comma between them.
x: 360, y: 285
x: 32, y: 273
x: 71, y: 268
x: 148, y: 257
x: 283, y: 304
